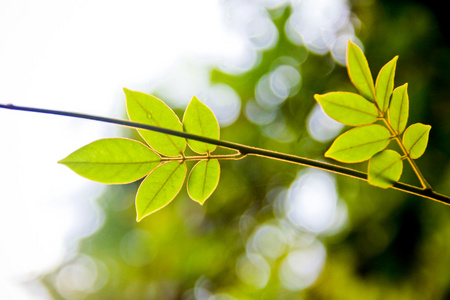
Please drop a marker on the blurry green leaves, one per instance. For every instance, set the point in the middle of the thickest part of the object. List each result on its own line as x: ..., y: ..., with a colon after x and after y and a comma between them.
x: 120, y: 161
x: 376, y: 103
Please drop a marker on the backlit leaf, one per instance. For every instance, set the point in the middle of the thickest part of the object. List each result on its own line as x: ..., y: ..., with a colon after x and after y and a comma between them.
x: 348, y: 108
x: 359, y: 72
x: 200, y: 120
x: 385, y: 84
x: 147, y: 109
x: 159, y: 188
x: 359, y: 144
x: 415, y: 139
x: 399, y: 108
x: 203, y: 180
x: 385, y: 168
x: 113, y: 161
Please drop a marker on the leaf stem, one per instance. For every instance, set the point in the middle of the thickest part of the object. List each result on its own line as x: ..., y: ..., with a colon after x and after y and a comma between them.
x: 243, y: 150
x: 205, y: 157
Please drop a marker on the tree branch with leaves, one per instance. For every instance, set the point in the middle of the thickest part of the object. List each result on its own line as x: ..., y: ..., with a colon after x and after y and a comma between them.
x: 379, y: 114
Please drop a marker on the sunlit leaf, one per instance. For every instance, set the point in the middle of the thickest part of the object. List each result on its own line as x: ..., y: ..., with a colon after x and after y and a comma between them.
x: 200, y: 120
x: 385, y: 168
x: 385, y: 84
x: 203, y: 180
x: 359, y: 72
x: 159, y: 188
x: 399, y: 108
x: 113, y: 161
x: 359, y: 144
x: 348, y: 108
x: 147, y: 109
x: 415, y: 139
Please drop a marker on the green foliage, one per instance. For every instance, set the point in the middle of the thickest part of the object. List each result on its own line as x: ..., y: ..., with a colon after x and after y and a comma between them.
x: 389, y: 248
x: 385, y: 168
x: 119, y: 161
x: 159, y: 188
x: 359, y: 144
x: 203, y: 180
x: 200, y: 120
x: 359, y: 72
x: 385, y: 84
x: 123, y: 161
x: 348, y: 108
x: 377, y: 103
x: 147, y: 109
x: 415, y: 139
x: 113, y: 161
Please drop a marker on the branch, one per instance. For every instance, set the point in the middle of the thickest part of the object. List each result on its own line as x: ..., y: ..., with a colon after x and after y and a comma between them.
x: 244, y: 150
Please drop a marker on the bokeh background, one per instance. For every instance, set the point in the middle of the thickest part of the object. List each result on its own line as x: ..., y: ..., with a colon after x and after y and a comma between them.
x: 271, y: 230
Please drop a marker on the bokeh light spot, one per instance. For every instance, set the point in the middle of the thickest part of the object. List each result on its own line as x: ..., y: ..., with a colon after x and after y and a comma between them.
x: 253, y: 270
x: 269, y: 241
x: 312, y: 200
x: 321, y: 127
x: 301, y: 267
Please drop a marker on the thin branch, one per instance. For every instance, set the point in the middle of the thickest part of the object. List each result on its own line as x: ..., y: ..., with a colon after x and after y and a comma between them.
x: 243, y: 149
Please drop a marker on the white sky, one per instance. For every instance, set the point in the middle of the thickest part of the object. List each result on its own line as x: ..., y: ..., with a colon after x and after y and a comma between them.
x: 77, y: 56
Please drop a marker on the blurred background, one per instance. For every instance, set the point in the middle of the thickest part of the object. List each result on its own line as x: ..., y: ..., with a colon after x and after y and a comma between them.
x: 271, y: 230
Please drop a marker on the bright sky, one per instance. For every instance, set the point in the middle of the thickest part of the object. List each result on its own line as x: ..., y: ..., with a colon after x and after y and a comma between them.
x: 77, y: 56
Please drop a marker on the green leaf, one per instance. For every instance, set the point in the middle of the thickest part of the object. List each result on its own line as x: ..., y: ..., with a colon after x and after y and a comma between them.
x: 113, y: 161
x: 385, y: 168
x: 385, y: 84
x: 359, y: 72
x: 415, y: 139
x: 159, y: 188
x: 203, y: 180
x: 348, y: 108
x: 399, y: 108
x: 147, y: 109
x: 200, y: 120
x: 359, y: 144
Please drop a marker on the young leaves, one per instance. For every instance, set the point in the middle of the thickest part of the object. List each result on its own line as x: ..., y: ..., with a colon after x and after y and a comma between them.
x: 379, y: 102
x: 399, y: 109
x: 116, y: 161
x: 147, y: 109
x: 359, y: 72
x: 159, y: 188
x: 385, y: 84
x: 385, y: 168
x: 415, y: 139
x: 200, y: 120
x: 113, y: 161
x: 348, y: 108
x: 203, y: 180
x: 359, y: 144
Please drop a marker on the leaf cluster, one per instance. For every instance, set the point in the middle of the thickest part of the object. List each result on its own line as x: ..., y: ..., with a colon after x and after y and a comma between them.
x: 162, y: 161
x: 377, y: 102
